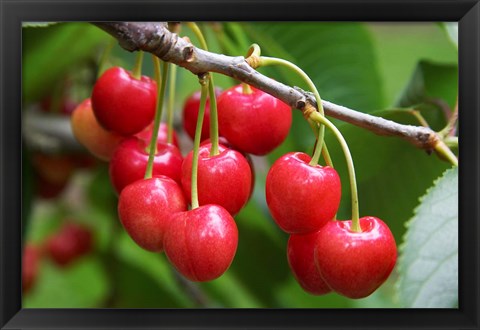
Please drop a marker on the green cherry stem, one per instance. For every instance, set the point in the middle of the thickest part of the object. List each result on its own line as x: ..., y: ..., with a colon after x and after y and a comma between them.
x: 263, y: 61
x: 198, y: 33
x: 213, y: 117
x: 171, y: 102
x: 213, y: 102
x: 196, y: 142
x: 161, y: 83
x: 325, y: 153
x: 444, y: 152
x: 246, y: 89
x: 315, y: 116
x: 137, y: 69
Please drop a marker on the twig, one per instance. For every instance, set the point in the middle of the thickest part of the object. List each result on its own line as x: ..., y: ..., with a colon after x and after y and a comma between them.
x: 155, y: 38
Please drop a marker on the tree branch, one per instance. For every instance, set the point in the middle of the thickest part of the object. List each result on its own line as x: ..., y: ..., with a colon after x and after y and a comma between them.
x: 155, y: 38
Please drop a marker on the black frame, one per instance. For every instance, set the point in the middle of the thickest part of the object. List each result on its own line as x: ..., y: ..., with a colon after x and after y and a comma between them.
x: 13, y: 12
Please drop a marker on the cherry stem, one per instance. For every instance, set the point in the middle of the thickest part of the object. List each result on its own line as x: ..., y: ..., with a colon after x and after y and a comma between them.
x: 449, y: 129
x: 451, y: 141
x: 246, y: 89
x: 315, y: 116
x: 137, y: 69
x: 325, y: 153
x: 171, y: 101
x: 263, y: 61
x: 161, y: 84
x: 227, y: 45
x: 203, y: 80
x: 444, y: 151
x: 213, y: 101
x: 213, y: 118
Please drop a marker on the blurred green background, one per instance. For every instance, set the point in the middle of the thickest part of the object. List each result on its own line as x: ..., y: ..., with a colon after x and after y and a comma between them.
x: 381, y: 68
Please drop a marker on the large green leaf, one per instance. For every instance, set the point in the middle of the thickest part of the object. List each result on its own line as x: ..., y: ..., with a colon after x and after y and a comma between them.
x: 429, y: 255
x: 339, y: 58
x: 400, y: 46
x: 431, y: 82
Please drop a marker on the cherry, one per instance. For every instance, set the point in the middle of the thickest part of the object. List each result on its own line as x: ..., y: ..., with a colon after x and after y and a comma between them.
x: 146, y: 207
x: 224, y: 179
x: 129, y: 162
x: 122, y: 103
x: 86, y: 129
x: 300, y: 255
x: 52, y: 173
x: 146, y: 134
x: 48, y: 190
x: 66, y: 105
x: 301, y: 197
x: 30, y: 266
x: 70, y: 243
x: 201, y: 243
x: 355, y: 264
x: 190, y: 115
x: 222, y: 140
x: 255, y: 123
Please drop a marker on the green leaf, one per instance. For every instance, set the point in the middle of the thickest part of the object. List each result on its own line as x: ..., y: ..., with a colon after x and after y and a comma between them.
x: 79, y: 285
x: 400, y: 46
x: 49, y: 53
x: 431, y: 82
x: 338, y: 57
x: 429, y: 255
x: 154, y: 266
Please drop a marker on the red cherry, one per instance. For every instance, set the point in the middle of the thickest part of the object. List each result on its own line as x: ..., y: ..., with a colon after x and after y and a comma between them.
x: 201, y: 243
x: 53, y: 168
x: 224, y: 179
x: 255, y: 123
x: 248, y: 157
x: 66, y: 105
x: 122, y: 103
x: 86, y: 129
x: 355, y: 264
x: 129, y: 162
x: 30, y: 266
x: 48, y: 190
x: 70, y: 243
x: 146, y: 134
x: 300, y: 255
x: 52, y: 173
x: 302, y: 198
x: 190, y: 115
x: 146, y: 208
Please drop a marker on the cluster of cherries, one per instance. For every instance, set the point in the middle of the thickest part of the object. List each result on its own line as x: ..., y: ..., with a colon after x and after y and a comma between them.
x: 71, y: 242
x: 324, y: 254
x: 117, y: 125
x: 352, y: 258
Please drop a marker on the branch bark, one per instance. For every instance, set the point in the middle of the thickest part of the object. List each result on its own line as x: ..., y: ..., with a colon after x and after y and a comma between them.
x: 155, y: 38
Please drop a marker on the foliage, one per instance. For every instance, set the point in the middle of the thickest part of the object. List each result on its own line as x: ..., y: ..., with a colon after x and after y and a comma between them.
x: 429, y: 263
x: 385, y: 70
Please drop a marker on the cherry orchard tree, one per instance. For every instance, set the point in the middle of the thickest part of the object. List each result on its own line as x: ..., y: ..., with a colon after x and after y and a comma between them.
x: 304, y: 194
